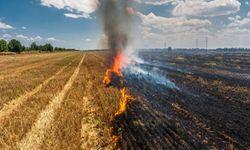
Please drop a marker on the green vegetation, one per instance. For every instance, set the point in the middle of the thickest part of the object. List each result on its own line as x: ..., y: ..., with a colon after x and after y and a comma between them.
x: 3, y: 46
x: 34, y: 46
x: 16, y: 46
x: 61, y: 49
x: 46, y: 47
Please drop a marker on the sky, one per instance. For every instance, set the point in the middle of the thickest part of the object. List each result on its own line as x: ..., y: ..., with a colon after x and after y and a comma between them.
x: 176, y: 23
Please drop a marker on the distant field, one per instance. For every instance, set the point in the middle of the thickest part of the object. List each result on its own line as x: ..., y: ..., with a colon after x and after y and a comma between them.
x: 55, y: 101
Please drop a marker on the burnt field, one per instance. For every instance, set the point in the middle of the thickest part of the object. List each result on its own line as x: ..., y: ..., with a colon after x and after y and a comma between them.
x: 187, y: 100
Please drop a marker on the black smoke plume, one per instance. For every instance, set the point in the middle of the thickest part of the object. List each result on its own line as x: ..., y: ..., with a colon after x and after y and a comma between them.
x: 116, y: 19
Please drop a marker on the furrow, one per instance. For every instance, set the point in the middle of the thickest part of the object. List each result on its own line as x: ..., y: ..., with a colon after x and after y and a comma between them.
x: 20, y: 70
x: 33, y: 139
x: 14, y: 104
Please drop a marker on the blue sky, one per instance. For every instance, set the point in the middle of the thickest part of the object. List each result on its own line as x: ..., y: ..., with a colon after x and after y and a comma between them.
x: 179, y: 23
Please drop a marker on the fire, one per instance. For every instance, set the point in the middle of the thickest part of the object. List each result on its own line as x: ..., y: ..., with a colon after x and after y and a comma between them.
x: 115, y: 68
x: 125, y: 98
x: 119, y: 62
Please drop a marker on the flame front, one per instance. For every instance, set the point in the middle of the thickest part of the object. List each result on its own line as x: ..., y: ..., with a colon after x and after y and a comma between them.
x: 119, y: 62
x: 125, y: 98
x: 115, y: 68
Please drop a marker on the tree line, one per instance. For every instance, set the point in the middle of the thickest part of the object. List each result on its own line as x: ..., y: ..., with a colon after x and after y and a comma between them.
x: 16, y: 46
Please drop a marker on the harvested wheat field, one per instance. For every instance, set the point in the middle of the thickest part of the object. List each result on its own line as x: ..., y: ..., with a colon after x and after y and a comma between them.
x: 65, y: 100
x: 55, y: 101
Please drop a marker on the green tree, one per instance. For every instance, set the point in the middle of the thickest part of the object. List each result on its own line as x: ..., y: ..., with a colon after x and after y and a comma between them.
x: 57, y: 49
x: 34, y: 46
x: 41, y: 48
x: 24, y: 48
x: 3, y: 46
x: 15, y: 46
x: 48, y: 47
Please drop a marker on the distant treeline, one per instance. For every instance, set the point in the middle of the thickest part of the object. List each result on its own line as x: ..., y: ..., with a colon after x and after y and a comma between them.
x: 16, y: 46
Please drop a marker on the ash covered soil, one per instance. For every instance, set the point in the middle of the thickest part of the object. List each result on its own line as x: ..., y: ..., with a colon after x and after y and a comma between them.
x: 187, y: 100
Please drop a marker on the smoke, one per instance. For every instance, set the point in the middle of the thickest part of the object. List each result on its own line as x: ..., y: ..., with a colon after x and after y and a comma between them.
x: 151, y: 75
x: 116, y: 19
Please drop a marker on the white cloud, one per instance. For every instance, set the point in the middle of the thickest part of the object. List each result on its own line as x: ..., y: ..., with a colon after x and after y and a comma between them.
x: 5, y: 26
x: 171, y: 25
x: 183, y: 32
x: 24, y: 28
x: 206, y: 8
x: 76, y: 8
x: 231, y: 37
x: 233, y: 31
x: 177, y: 31
x: 157, y: 2
x: 76, y: 16
x: 247, y: 3
x: 7, y: 36
x: 88, y: 40
x: 20, y: 36
x: 52, y: 39
x: 234, y: 18
x: 28, y: 39
x: 37, y: 38
x: 240, y: 23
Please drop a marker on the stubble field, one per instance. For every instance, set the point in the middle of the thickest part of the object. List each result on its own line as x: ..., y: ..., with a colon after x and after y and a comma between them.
x: 181, y: 100
x: 55, y: 101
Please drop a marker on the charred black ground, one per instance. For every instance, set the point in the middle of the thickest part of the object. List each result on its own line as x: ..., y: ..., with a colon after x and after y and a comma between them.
x: 210, y: 110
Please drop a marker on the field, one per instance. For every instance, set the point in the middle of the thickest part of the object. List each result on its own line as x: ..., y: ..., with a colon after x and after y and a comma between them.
x: 182, y: 100
x: 55, y: 101
x: 188, y: 100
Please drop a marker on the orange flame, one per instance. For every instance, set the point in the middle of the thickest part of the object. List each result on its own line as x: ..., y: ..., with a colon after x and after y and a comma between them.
x: 115, y: 68
x: 119, y: 62
x: 125, y: 98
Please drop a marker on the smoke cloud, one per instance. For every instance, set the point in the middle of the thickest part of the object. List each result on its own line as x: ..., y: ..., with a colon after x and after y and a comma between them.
x: 116, y: 19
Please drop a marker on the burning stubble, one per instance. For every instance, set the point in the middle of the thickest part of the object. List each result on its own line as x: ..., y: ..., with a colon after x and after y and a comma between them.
x: 116, y: 18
